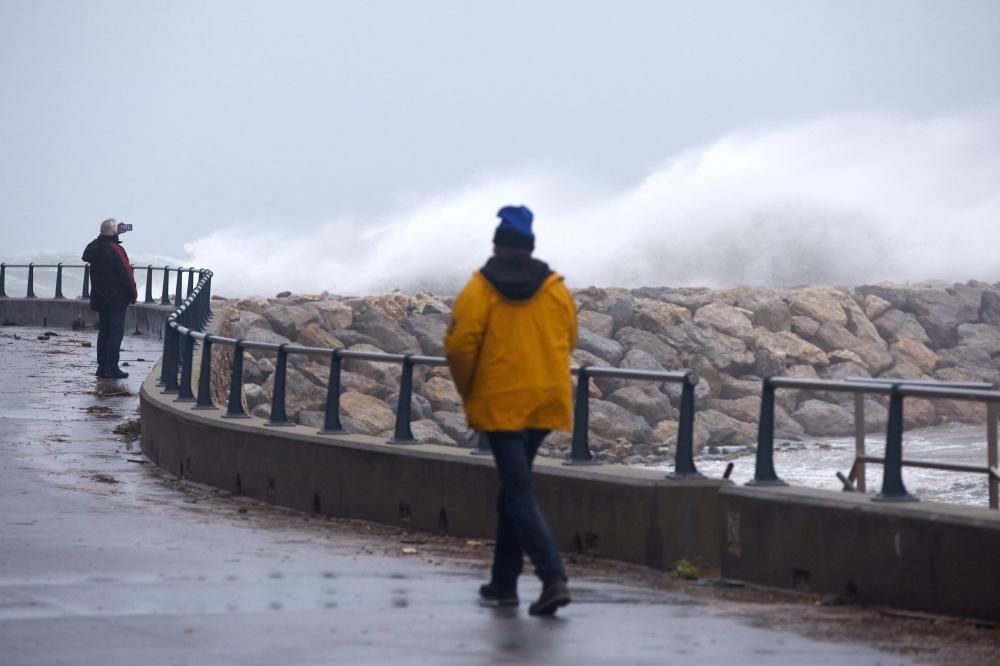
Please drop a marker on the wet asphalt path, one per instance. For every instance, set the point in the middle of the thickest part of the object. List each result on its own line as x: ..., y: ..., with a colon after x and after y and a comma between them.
x: 105, y: 560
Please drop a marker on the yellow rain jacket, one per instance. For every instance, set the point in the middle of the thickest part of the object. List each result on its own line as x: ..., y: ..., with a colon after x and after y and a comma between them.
x: 510, y: 355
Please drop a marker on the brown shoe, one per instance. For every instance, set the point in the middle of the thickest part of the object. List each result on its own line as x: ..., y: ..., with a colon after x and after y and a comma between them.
x: 555, y: 595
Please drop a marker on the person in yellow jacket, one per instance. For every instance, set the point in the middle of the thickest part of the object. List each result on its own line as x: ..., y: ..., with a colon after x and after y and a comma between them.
x: 508, y: 345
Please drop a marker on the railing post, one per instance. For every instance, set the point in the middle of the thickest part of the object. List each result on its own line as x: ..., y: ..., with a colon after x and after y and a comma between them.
x: 403, y: 434
x: 3, y: 280
x: 684, y: 453
x: 31, y: 281
x: 992, y: 454
x: 859, y: 471
x: 234, y: 408
x: 149, y: 284
x: 170, y: 358
x: 764, y: 474
x: 86, y: 282
x: 59, y: 273
x: 185, y: 394
x: 278, y: 415
x: 190, y: 280
x: 893, y: 489
x: 580, y: 449
x: 331, y: 417
x: 165, y: 296
x: 178, y: 297
x: 205, y: 376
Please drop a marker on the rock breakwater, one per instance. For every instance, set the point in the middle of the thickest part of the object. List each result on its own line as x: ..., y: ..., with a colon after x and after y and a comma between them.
x: 730, y: 337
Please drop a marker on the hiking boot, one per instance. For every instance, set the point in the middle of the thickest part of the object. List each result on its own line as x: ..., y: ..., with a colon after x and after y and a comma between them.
x: 501, y: 596
x: 115, y: 373
x: 554, y: 595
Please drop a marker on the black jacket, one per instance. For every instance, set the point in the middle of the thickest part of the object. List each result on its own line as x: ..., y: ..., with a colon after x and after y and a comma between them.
x: 112, y: 285
x: 517, y: 277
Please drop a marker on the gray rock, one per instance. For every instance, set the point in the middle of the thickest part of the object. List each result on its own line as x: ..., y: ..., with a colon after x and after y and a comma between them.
x: 300, y: 393
x: 941, y: 311
x: 365, y: 414
x: 989, y: 307
x: 254, y: 373
x: 427, y: 431
x: 311, y: 418
x: 634, y: 338
x: 604, y: 348
x: 824, y: 419
x: 382, y: 372
x: 352, y: 381
x: 733, y: 388
x: 289, y: 320
x: 646, y: 401
x: 429, y: 330
x: 442, y: 394
x: 618, y: 308
x: 350, y: 338
x: 702, y: 394
x: 658, y: 316
x: 967, y: 357
x: 454, y: 425
x: 725, y: 430
x: 728, y: 354
x: 875, y: 306
x: 600, y: 323
x: 258, y: 334
x: 876, y: 416
x: 844, y: 370
x: 725, y: 318
x: 420, y: 407
x: 897, y: 297
x: 903, y: 370
x: 876, y: 355
x: 389, y: 335
x: 773, y: 315
x: 334, y: 314
x: 606, y: 385
x: 254, y: 395
x: 986, y: 336
x: 247, y: 321
x: 895, y: 325
x: 804, y: 327
x: 745, y: 409
x: 611, y: 421
x: 822, y: 304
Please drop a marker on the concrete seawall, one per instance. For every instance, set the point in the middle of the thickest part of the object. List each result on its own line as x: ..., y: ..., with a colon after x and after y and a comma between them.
x: 147, y: 319
x: 922, y: 556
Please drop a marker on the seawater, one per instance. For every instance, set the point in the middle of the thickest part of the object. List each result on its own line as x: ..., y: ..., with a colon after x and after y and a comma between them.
x: 814, y: 462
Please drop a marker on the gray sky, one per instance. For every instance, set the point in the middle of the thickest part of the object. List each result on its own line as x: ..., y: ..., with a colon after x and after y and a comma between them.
x: 183, y: 117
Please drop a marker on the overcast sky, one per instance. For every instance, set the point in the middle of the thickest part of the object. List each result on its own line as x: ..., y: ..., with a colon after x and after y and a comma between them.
x: 186, y: 117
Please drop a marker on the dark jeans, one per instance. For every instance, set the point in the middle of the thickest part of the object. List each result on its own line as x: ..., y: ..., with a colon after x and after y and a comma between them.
x: 521, y: 527
x: 109, y: 338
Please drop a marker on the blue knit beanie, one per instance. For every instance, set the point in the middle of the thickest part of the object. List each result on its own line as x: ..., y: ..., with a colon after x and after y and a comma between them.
x: 515, y: 228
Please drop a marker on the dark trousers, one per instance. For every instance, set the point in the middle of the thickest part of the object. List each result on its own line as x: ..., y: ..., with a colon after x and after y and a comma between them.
x: 109, y: 338
x: 521, y: 527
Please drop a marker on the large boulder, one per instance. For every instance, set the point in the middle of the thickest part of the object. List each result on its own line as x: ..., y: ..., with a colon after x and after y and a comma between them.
x: 745, y: 409
x: 733, y: 388
x: 429, y: 330
x: 334, y: 314
x: 611, y: 422
x: 442, y: 394
x: 600, y: 323
x: 895, y: 325
x: 455, y: 426
x: 832, y: 335
x: 646, y: 401
x: 427, y: 431
x: 908, y: 350
x: 427, y: 303
x: 941, y: 311
x: 365, y: 414
x: 384, y: 373
x: 726, y: 319
x: 989, y: 307
x: 289, y: 320
x: 245, y: 322
x: 725, y: 430
x: 605, y: 385
x: 658, y: 316
x: 777, y: 351
x: 300, y: 393
x: 350, y: 337
x: 385, y: 330
x: 896, y: 297
x: 986, y: 336
x: 804, y: 327
x: 875, y: 306
x: 972, y: 358
x: 604, y: 348
x: 774, y: 315
x: 634, y: 338
x: 619, y: 308
x: 313, y: 335
x: 728, y: 354
x: 822, y: 304
x: 420, y: 407
x: 824, y: 419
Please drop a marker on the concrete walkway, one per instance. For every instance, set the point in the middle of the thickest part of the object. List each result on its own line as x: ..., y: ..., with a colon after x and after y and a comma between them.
x: 105, y: 560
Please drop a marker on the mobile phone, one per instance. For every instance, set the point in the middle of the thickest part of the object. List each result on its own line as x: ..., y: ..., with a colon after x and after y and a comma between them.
x: 123, y: 227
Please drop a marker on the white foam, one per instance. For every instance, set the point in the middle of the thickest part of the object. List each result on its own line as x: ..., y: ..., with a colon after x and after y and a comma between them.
x: 844, y: 200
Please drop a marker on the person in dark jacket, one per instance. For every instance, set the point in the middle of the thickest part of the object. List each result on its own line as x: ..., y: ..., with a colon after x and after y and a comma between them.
x: 112, y: 289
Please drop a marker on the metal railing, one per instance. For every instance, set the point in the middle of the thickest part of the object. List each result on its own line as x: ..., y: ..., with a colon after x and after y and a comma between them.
x: 893, y: 489
x: 177, y: 353
x: 164, y: 298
